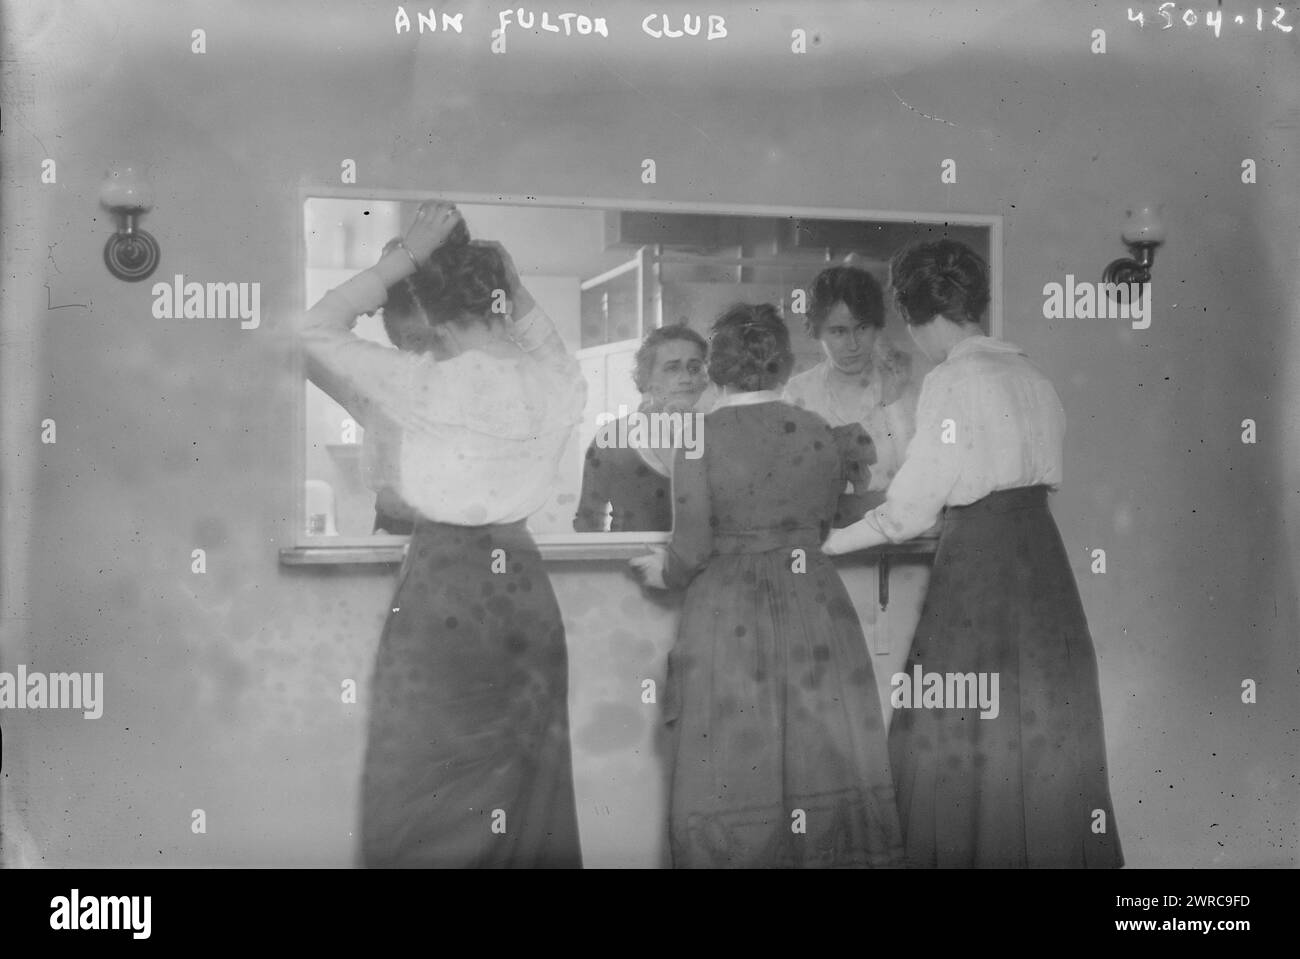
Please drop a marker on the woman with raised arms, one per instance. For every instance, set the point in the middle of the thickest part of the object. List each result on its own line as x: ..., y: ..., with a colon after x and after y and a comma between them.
x: 467, y: 761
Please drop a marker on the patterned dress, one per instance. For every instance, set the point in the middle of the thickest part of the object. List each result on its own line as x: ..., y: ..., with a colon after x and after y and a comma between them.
x: 776, y: 744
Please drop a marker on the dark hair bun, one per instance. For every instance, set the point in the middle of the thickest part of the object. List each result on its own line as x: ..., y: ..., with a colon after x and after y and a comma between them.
x: 459, y: 235
x: 945, y: 278
x: 458, y: 283
x: 750, y: 348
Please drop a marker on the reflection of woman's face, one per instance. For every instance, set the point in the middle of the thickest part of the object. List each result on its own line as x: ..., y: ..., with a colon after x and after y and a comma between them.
x: 846, y: 341
x: 678, y: 377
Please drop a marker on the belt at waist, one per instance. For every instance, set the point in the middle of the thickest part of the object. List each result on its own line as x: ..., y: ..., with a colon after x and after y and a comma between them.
x: 764, y: 540
x: 1003, y: 501
x: 516, y: 532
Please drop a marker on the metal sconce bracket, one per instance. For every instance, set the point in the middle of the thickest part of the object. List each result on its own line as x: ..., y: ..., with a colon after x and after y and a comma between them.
x: 1135, y: 270
x: 131, y: 254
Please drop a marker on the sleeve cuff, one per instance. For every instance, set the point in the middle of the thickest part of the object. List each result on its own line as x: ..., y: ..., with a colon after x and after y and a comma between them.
x: 537, y: 329
x: 677, y: 575
x: 364, y: 293
x: 877, y: 521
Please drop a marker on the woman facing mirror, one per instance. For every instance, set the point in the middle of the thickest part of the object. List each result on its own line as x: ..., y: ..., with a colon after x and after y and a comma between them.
x: 771, y: 701
x: 1024, y: 785
x: 469, y: 697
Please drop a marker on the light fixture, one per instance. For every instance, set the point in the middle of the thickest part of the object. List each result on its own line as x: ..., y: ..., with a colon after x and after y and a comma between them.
x: 131, y: 254
x: 1144, y: 230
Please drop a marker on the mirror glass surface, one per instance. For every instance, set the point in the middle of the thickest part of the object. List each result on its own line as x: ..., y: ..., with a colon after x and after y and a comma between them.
x: 607, y: 276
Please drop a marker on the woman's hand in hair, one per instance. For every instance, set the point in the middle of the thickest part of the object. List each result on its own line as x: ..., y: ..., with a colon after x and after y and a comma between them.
x: 521, y: 299
x: 433, y: 224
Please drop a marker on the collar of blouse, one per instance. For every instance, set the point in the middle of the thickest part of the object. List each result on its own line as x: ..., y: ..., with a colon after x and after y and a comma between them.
x: 891, y: 368
x: 747, y: 399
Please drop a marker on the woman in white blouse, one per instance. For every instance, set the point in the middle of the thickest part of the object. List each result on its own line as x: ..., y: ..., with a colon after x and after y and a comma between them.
x: 467, y: 759
x: 996, y: 744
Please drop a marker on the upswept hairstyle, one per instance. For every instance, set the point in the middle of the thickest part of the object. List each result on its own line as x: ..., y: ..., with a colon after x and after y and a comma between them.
x: 851, y: 285
x: 750, y: 348
x: 942, y: 277
x: 647, y: 352
x: 456, y: 284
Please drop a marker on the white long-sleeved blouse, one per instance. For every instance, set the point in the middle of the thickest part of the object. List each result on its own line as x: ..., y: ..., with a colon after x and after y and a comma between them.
x: 987, y: 420
x: 885, y: 410
x: 481, y: 435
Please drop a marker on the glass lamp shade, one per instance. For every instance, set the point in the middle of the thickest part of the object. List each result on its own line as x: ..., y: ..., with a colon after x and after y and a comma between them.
x: 1144, y: 225
x: 125, y: 188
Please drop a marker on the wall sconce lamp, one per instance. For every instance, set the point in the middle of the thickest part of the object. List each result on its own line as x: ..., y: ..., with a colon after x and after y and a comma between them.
x: 131, y: 254
x: 1143, y: 232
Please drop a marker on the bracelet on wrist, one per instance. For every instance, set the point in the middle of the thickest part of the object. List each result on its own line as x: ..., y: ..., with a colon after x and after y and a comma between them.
x: 400, y: 245
x: 520, y: 334
x: 520, y: 337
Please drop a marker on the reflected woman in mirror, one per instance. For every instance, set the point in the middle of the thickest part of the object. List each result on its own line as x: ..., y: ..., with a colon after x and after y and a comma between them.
x: 1023, y: 782
x: 624, y: 487
x: 467, y: 758
x: 863, y: 380
x: 771, y: 709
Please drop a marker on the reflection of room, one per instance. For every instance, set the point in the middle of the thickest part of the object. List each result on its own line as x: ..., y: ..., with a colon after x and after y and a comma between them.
x: 342, y: 238
x: 606, y: 277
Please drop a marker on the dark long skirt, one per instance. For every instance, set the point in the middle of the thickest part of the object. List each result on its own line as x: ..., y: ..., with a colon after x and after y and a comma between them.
x: 1028, y: 788
x: 467, y: 762
x: 775, y: 737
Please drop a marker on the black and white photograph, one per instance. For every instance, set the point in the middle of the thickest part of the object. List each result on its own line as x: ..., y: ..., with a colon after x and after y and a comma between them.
x: 649, y: 436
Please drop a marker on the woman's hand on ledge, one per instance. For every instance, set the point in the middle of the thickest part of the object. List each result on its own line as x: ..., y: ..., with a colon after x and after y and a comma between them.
x: 651, y: 567
x: 861, y: 535
x: 835, y: 543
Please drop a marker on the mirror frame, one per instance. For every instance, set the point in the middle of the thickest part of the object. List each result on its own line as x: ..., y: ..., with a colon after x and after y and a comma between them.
x: 305, y: 549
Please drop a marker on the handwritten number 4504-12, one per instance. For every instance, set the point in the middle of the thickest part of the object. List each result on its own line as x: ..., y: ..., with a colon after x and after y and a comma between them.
x: 1213, y: 18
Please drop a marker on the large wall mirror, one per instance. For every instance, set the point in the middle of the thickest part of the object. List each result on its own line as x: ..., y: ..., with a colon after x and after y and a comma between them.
x: 608, y: 273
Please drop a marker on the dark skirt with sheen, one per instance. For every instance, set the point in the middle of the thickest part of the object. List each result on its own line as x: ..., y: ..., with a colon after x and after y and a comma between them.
x: 776, y: 742
x: 1028, y: 788
x: 467, y: 761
